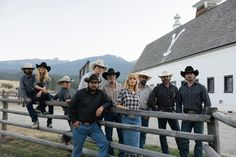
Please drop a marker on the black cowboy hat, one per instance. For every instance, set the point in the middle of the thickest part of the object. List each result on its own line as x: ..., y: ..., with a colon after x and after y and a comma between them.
x: 43, y: 64
x: 110, y: 72
x: 92, y: 78
x: 189, y: 69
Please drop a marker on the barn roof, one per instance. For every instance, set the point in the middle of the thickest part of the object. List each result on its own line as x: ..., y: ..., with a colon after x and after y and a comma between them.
x: 215, y: 28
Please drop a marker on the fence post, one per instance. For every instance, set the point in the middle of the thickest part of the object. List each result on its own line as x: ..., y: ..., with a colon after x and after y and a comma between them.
x: 213, y: 129
x: 4, y: 114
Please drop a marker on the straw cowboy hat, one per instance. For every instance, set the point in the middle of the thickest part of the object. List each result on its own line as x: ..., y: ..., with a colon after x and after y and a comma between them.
x: 92, y: 78
x: 64, y: 79
x: 165, y: 73
x: 27, y: 66
x: 43, y: 64
x: 110, y: 72
x: 189, y: 69
x: 143, y: 73
x: 99, y: 63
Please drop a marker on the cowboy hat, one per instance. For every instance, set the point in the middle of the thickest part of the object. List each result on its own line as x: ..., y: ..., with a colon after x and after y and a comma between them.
x: 99, y: 63
x: 165, y: 73
x: 110, y: 72
x: 64, y: 79
x: 189, y: 69
x: 92, y: 78
x: 143, y: 73
x: 27, y: 66
x: 43, y: 64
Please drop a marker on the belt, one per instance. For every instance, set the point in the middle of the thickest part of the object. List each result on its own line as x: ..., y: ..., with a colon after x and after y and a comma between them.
x: 192, y: 111
x: 86, y: 123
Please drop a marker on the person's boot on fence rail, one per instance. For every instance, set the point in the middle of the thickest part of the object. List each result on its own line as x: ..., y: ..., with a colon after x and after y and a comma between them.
x: 42, y: 80
x: 190, y: 100
x: 85, y: 108
x: 27, y: 92
x: 65, y: 95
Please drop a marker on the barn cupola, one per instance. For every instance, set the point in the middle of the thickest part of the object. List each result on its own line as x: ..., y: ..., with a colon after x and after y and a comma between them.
x: 177, y: 22
x: 204, y: 5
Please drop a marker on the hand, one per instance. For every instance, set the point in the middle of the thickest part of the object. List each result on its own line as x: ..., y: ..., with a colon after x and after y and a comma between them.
x: 99, y: 111
x: 121, y: 106
x: 38, y: 94
x: 44, y: 90
x: 68, y: 101
x: 76, y: 124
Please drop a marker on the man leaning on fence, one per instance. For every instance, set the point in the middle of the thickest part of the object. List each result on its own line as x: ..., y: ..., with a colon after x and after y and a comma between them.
x: 189, y: 100
x: 84, y: 109
x: 27, y: 92
x: 163, y: 98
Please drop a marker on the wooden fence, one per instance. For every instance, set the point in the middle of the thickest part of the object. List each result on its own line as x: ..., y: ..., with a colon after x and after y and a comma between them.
x: 212, y: 149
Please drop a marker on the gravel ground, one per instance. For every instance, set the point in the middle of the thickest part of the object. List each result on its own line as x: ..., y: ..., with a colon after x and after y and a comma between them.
x: 227, y: 133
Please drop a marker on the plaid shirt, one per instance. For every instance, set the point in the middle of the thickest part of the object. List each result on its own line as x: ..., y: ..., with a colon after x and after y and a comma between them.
x: 111, y: 92
x: 128, y: 99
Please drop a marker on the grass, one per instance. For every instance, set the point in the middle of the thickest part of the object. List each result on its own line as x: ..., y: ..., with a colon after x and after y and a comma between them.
x: 20, y: 148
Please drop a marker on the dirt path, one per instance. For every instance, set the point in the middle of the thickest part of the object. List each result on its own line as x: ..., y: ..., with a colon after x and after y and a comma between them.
x: 227, y: 133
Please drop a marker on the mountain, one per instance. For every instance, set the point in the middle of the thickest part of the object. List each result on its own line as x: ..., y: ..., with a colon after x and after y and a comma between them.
x: 62, y: 67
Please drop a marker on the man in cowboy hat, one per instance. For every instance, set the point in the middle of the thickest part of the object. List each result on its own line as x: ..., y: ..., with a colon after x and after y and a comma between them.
x: 189, y: 100
x: 163, y: 98
x: 27, y: 92
x: 145, y: 92
x: 98, y: 67
x: 64, y: 95
x: 84, y: 109
x: 112, y: 89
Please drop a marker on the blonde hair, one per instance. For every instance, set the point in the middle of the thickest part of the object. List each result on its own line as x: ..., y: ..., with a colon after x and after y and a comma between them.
x: 42, y: 76
x: 126, y: 84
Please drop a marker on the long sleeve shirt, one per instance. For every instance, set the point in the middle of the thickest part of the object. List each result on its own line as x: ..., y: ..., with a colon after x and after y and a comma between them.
x: 191, y: 98
x: 163, y: 98
x: 129, y: 99
x: 144, y: 95
x: 111, y: 92
x: 63, y: 94
x: 84, y: 105
x: 26, y: 88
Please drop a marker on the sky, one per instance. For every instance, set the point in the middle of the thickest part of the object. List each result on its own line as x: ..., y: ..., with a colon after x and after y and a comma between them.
x: 76, y: 29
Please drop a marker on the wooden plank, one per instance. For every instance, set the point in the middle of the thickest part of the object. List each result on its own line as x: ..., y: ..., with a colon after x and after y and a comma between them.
x: 225, y: 119
x: 213, y: 129
x: 48, y: 143
x: 39, y: 115
x: 171, y: 115
x: 210, y: 152
x: 4, y: 114
x: 171, y: 133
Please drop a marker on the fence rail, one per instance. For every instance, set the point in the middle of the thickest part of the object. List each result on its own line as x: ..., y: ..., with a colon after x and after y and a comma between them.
x: 212, y: 125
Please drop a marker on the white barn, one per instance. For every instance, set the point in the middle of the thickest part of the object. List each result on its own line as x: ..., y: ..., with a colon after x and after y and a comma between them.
x: 208, y: 43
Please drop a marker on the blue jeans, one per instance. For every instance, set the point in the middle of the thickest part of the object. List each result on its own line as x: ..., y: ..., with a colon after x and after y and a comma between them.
x: 144, y: 122
x: 131, y: 138
x: 174, y: 125
x: 187, y: 127
x: 113, y: 117
x: 31, y: 111
x: 95, y: 132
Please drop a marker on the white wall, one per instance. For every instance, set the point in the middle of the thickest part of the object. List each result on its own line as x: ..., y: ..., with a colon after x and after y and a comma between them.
x: 215, y: 63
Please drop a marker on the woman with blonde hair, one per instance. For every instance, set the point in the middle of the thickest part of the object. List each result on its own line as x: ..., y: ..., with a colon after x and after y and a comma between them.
x: 129, y: 98
x: 42, y: 80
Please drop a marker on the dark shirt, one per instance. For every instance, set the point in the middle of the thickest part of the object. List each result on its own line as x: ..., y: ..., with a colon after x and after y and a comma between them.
x: 163, y: 98
x: 26, y: 89
x: 63, y: 94
x: 191, y: 98
x: 84, y: 104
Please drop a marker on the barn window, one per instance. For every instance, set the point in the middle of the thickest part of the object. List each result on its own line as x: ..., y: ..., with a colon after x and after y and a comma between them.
x: 228, y: 84
x: 210, y: 84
